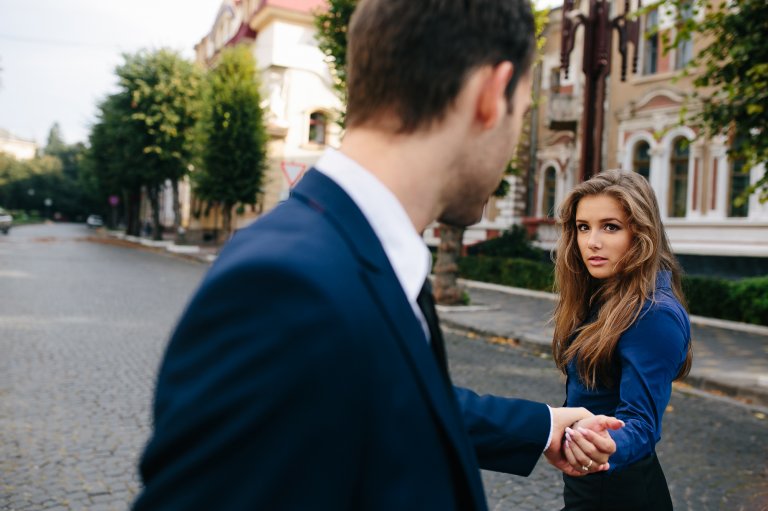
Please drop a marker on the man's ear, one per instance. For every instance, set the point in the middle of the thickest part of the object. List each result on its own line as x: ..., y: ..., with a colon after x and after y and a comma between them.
x: 492, y: 101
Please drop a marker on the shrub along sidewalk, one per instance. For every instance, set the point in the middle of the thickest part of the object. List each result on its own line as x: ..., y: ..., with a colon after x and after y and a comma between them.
x: 744, y: 300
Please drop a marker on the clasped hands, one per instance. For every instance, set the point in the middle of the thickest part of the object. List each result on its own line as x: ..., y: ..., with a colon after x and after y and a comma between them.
x: 580, y: 441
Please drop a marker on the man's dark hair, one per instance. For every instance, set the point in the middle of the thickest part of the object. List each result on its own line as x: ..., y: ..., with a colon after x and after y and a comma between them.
x: 410, y: 58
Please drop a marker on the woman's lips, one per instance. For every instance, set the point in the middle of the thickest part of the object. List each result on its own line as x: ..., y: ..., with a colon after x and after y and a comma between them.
x: 597, y: 261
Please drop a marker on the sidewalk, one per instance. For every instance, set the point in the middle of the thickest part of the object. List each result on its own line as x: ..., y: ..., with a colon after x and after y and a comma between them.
x: 729, y: 358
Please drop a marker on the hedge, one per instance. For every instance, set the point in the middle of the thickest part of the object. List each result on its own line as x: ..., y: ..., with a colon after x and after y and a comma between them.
x: 508, y: 271
x: 744, y: 300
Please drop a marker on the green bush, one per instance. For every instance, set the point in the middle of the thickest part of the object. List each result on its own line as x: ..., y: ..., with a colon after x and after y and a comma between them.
x: 508, y: 271
x: 750, y: 298
x: 709, y: 296
x: 743, y: 300
x: 513, y: 243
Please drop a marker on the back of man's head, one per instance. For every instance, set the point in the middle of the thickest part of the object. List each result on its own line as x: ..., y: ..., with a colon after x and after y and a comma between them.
x: 408, y: 59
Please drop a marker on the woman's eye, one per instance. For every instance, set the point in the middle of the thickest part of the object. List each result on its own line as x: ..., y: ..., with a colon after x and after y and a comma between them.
x: 611, y: 227
x: 582, y: 227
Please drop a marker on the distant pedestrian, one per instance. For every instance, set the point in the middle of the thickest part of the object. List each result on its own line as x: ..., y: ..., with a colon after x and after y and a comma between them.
x: 622, y: 334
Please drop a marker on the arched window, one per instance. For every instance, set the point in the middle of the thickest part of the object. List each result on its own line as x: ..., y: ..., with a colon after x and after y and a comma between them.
x: 739, y: 181
x: 318, y: 126
x: 678, y: 173
x: 641, y: 159
x: 549, y: 187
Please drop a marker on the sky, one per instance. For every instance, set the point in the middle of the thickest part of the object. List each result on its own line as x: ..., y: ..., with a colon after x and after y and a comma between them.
x: 57, y: 57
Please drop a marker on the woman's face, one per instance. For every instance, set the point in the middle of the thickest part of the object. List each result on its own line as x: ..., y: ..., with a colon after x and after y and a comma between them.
x: 603, y: 234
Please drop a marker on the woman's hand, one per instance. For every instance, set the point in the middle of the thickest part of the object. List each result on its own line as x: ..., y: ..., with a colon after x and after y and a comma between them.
x: 588, y: 445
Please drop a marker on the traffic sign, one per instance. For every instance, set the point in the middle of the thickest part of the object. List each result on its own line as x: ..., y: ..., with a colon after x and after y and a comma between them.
x: 293, y: 171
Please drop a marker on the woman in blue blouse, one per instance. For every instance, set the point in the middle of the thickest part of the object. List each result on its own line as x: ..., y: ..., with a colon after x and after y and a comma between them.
x: 622, y: 335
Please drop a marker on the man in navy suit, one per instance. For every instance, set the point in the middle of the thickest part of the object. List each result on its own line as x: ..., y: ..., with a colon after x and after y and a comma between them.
x: 308, y: 373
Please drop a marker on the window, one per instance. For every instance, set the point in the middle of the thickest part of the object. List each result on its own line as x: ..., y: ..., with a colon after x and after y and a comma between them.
x: 739, y: 181
x: 684, y: 50
x: 550, y: 185
x: 678, y: 169
x: 651, y: 48
x: 554, y: 80
x: 318, y: 123
x: 641, y: 159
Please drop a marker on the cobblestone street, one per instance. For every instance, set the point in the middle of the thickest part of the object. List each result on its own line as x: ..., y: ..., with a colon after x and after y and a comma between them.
x: 82, y: 329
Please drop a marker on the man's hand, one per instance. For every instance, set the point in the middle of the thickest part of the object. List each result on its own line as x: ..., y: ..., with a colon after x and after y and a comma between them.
x: 596, y: 442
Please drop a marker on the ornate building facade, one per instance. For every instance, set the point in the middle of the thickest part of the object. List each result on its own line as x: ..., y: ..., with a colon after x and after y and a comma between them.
x: 695, y: 181
x: 296, y: 89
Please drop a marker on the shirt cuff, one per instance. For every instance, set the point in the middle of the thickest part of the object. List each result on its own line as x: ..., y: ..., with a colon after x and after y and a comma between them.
x: 551, y: 423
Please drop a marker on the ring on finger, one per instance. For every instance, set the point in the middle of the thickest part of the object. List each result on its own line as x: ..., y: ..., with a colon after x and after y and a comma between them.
x: 585, y: 468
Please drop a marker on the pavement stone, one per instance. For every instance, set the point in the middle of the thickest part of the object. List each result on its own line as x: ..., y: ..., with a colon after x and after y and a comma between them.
x: 79, y: 362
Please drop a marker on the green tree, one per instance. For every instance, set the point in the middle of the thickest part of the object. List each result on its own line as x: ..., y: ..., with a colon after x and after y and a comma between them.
x: 164, y: 100
x: 730, y: 73
x: 332, y: 26
x: 55, y: 144
x: 114, y: 160
x: 48, y: 183
x: 233, y: 138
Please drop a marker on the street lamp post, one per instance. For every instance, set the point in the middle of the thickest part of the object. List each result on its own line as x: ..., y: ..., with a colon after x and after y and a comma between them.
x: 596, y: 65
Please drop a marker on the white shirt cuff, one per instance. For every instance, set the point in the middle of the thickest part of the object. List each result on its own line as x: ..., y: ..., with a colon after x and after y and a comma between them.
x: 551, y: 423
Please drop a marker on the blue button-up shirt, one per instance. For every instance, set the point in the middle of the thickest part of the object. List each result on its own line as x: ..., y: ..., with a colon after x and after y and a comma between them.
x: 650, y: 354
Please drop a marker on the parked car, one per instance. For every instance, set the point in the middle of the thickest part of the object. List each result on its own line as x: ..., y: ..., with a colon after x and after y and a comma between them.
x: 6, y: 220
x: 94, y: 221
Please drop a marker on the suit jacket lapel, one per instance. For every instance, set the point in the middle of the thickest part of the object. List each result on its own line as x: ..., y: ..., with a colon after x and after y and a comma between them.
x: 324, y: 195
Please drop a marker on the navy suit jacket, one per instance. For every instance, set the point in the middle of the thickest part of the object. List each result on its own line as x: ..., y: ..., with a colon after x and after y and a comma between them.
x: 299, y: 378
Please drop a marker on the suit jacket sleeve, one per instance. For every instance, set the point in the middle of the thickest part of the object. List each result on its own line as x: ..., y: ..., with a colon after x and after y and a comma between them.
x: 509, y: 435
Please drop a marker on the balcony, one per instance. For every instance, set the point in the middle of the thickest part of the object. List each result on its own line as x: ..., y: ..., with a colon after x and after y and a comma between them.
x: 562, y: 112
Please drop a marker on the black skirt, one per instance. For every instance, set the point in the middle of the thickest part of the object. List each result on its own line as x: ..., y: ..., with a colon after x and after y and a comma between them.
x: 638, y: 487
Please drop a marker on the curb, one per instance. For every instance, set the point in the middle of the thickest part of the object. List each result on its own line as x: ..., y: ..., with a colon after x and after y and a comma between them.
x: 754, y: 398
x: 188, y: 252
x: 701, y: 385
x: 696, y: 320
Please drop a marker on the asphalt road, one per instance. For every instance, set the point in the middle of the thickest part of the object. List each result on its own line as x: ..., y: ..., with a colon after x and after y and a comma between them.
x: 82, y: 328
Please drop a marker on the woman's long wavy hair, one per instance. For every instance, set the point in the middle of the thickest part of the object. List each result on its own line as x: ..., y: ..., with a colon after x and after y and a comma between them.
x: 619, y: 298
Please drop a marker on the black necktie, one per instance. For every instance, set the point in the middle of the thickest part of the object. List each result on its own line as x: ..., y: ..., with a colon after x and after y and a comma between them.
x: 426, y: 303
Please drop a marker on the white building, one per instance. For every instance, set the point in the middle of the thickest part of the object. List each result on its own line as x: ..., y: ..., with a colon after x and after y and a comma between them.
x: 17, y: 147
x: 297, y: 90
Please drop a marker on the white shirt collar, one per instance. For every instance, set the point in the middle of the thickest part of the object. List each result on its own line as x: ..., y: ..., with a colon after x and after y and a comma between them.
x: 405, y: 248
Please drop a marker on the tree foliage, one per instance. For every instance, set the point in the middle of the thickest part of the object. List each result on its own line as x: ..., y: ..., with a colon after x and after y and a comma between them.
x: 730, y: 73
x: 52, y: 177
x: 332, y: 27
x: 232, y: 135
x: 164, y: 92
x: 144, y: 133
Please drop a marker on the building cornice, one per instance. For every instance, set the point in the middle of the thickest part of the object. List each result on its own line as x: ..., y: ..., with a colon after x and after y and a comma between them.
x: 268, y: 14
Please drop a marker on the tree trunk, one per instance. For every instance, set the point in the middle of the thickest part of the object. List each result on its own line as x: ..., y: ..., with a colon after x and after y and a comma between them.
x: 176, y: 208
x: 226, y: 220
x: 154, y: 203
x: 132, y: 202
x: 447, y: 290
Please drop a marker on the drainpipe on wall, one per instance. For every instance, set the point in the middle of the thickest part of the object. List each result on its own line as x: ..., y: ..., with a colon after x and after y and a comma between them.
x: 533, y: 148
